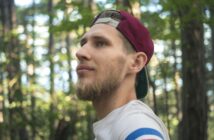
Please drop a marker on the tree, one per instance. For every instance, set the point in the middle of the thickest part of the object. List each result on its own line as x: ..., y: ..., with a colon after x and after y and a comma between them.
x: 52, y: 111
x: 194, y: 100
x: 17, y: 130
x: 211, y: 23
x: 50, y: 56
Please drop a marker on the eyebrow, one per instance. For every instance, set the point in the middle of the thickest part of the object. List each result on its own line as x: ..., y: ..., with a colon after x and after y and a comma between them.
x: 94, y: 37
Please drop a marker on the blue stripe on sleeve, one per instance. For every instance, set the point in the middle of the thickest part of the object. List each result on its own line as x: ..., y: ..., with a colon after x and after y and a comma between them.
x: 143, y: 131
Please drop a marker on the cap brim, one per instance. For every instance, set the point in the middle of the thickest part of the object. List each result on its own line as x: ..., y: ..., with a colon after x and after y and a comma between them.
x: 142, y: 84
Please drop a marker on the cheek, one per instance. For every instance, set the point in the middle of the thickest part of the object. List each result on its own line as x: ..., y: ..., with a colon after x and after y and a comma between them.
x: 109, y: 62
x: 113, y: 66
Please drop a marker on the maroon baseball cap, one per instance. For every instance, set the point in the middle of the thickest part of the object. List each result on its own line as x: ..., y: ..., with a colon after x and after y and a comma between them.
x: 138, y: 36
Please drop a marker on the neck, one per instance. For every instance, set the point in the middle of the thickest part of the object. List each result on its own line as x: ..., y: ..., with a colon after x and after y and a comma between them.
x: 121, y: 96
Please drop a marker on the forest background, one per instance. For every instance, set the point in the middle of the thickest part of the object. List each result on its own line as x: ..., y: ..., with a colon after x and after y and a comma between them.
x: 38, y: 41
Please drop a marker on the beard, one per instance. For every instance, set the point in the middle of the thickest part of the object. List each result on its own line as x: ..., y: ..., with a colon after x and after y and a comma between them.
x: 103, y: 87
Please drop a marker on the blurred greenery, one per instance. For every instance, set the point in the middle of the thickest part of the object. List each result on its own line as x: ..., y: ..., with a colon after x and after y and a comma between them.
x: 28, y: 109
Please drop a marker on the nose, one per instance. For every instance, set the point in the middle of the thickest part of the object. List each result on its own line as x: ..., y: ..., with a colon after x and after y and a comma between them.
x: 83, y: 53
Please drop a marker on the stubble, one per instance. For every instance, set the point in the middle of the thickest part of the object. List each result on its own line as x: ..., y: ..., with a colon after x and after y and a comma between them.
x: 104, y: 86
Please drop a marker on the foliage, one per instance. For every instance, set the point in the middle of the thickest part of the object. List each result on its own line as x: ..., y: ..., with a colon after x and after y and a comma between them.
x: 71, y: 18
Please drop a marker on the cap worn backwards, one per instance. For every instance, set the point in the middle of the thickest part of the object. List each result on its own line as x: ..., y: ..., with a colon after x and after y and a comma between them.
x: 138, y: 36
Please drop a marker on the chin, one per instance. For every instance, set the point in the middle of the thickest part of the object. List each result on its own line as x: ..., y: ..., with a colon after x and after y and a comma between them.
x: 84, y: 91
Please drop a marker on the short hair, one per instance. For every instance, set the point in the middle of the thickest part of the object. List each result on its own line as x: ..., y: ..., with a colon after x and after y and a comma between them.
x: 128, y: 48
x: 127, y: 45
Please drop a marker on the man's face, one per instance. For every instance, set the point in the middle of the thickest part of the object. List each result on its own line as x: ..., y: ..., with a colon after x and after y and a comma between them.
x: 102, y: 62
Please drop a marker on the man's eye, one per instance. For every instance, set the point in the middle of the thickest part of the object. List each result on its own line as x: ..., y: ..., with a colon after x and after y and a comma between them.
x: 82, y: 42
x: 100, y: 44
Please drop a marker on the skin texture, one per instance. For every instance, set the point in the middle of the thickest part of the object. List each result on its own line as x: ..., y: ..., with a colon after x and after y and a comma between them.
x: 106, y: 72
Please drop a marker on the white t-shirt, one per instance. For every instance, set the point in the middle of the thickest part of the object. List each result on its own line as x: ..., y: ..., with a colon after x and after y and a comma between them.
x: 133, y: 121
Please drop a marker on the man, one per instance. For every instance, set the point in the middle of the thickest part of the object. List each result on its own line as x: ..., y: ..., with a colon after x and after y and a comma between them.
x: 111, y: 72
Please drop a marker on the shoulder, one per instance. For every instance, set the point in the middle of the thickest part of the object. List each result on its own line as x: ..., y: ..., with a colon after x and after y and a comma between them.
x: 137, y: 120
x: 145, y: 133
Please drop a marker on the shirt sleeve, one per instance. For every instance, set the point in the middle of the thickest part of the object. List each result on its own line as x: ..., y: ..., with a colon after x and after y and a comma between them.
x: 140, y: 128
x: 145, y: 134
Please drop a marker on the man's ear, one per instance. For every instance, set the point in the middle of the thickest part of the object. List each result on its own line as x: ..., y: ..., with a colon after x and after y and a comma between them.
x: 139, y: 60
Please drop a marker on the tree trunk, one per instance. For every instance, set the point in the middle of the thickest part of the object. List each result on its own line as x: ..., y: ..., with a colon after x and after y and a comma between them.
x: 175, y: 70
x: 166, y: 103
x: 68, y: 52
x: 1, y: 103
x: 164, y: 73
x: 3, y: 132
x: 211, y: 8
x: 29, y: 59
x: 17, y: 128
x: 32, y: 75
x: 152, y: 84
x: 50, y: 56
x: 69, y: 58
x: 193, y: 125
x: 2, y: 67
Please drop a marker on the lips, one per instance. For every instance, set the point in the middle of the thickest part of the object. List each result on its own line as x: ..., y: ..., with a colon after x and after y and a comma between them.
x: 84, y: 68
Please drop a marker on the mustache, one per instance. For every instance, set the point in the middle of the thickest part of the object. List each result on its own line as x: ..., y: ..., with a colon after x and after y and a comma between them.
x: 84, y: 66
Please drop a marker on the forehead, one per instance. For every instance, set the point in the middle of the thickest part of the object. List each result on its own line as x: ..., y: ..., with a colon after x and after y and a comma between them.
x: 103, y: 30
